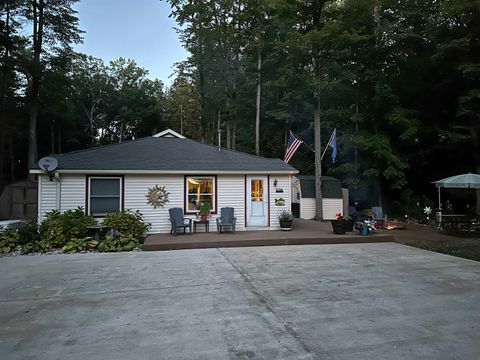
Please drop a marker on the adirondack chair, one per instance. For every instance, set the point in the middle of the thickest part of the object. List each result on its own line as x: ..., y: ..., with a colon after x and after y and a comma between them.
x: 379, y: 216
x: 178, y: 221
x: 226, y: 219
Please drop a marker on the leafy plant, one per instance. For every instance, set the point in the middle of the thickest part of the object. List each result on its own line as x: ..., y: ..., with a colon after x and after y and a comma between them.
x: 411, y: 207
x: 339, y: 216
x: 36, y: 246
x: 28, y: 233
x: 118, y: 242
x: 9, y: 240
x: 204, y: 209
x: 285, y: 216
x: 79, y: 245
x: 59, y: 228
x: 127, y: 224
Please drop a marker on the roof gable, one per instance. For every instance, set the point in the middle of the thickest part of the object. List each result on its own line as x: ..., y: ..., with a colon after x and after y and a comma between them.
x: 169, y: 133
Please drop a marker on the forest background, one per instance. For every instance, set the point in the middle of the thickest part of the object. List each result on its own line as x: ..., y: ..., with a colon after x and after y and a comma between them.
x: 399, y: 80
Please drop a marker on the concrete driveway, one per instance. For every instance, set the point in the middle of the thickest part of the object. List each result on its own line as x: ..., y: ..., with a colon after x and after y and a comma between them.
x: 362, y: 301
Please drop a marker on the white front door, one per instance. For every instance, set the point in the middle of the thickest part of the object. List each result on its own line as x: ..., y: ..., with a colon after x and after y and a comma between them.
x: 257, y: 201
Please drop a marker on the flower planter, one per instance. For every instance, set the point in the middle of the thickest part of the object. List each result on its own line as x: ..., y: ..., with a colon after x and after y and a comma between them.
x: 364, y: 231
x: 203, y: 217
x: 350, y: 225
x: 286, y: 225
x: 339, y: 226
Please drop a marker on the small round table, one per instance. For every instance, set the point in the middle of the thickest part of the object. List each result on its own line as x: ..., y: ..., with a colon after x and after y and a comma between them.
x: 203, y: 222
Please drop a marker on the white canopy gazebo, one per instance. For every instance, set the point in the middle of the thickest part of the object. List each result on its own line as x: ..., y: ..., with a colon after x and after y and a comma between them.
x: 464, y: 181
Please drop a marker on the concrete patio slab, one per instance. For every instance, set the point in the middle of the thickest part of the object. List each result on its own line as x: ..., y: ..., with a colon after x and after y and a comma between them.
x: 353, y: 301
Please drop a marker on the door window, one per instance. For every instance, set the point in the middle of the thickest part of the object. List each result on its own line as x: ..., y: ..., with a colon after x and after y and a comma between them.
x: 257, y: 190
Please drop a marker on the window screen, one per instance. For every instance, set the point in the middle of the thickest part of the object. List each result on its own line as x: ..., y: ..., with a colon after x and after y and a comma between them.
x: 104, y: 195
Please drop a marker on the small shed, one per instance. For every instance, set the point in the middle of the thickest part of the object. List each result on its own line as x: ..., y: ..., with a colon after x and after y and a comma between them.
x: 303, y: 192
x: 19, y: 201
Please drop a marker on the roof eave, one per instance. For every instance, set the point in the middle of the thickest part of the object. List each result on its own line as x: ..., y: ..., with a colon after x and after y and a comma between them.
x: 171, y: 172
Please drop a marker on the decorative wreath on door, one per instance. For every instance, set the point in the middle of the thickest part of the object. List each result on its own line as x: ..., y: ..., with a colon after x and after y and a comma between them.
x: 157, y: 196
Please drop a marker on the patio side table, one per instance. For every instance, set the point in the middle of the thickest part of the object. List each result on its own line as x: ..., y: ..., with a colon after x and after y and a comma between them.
x: 97, y: 230
x: 203, y: 222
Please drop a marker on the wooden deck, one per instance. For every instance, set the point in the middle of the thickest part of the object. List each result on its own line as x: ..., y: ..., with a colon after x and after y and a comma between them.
x: 303, y: 232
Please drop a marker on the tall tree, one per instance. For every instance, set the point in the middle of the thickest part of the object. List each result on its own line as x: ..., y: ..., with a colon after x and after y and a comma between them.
x: 54, y: 26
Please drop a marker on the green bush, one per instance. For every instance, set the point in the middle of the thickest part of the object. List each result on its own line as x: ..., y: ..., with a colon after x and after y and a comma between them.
x: 24, y: 236
x: 127, y: 231
x: 127, y: 224
x: 60, y: 228
x: 79, y: 245
x: 69, y: 231
x: 9, y: 240
x: 411, y: 207
x: 28, y: 234
x: 118, y: 242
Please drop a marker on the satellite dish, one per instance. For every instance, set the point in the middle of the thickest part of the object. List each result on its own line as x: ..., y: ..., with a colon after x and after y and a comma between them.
x: 48, y: 164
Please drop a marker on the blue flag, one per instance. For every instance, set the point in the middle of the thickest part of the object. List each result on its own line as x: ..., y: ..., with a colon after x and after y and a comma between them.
x: 333, y: 144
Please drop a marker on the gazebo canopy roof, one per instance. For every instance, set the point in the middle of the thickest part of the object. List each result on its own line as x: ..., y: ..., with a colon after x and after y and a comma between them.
x: 464, y: 181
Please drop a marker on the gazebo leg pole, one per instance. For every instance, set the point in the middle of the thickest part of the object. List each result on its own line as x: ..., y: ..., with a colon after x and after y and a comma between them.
x: 439, y: 199
x: 438, y: 215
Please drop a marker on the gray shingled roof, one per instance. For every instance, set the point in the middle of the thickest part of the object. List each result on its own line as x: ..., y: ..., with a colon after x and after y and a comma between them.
x: 331, y: 187
x: 166, y: 154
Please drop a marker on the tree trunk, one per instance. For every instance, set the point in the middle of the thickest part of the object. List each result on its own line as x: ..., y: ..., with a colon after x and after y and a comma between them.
x: 229, y: 143
x: 52, y: 137
x: 35, y: 82
x: 181, y: 118
x: 3, y: 177
x: 234, y: 135
x: 316, y: 11
x: 219, y: 131
x: 12, y: 161
x: 59, y: 133
x: 122, y: 125
x: 477, y: 193
x: 257, y: 106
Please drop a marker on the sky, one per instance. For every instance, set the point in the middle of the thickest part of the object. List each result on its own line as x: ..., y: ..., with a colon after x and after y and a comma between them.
x: 136, y: 29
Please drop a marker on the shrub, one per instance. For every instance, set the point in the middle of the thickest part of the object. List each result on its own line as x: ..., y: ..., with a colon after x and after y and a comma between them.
x: 78, y: 245
x: 60, y: 228
x: 28, y: 233
x: 24, y: 236
x: 128, y: 231
x: 118, y: 242
x: 411, y: 207
x: 127, y: 224
x: 9, y: 240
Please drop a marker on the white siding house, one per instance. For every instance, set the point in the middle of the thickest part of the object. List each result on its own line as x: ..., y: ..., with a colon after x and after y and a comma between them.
x: 121, y: 175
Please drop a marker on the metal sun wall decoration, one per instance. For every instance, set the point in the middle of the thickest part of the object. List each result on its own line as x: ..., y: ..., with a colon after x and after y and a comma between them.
x: 157, y: 196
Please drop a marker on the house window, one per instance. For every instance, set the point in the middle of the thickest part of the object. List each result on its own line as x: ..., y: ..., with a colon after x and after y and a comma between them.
x: 104, y: 195
x: 200, y: 189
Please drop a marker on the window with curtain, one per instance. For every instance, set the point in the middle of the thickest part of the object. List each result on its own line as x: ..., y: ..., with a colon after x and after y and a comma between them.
x: 198, y: 190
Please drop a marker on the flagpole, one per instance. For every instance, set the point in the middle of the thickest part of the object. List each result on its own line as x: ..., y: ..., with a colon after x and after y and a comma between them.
x: 329, y: 142
x: 304, y: 143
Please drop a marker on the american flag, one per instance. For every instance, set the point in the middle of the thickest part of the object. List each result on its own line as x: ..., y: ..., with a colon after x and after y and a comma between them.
x: 293, y: 145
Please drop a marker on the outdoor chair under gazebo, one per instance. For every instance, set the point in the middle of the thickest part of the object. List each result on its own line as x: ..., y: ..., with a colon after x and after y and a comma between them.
x: 459, y: 222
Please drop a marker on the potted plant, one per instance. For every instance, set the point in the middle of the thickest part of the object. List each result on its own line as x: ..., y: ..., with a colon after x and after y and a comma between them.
x: 341, y: 224
x: 366, y: 227
x: 286, y: 219
x: 204, y: 211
